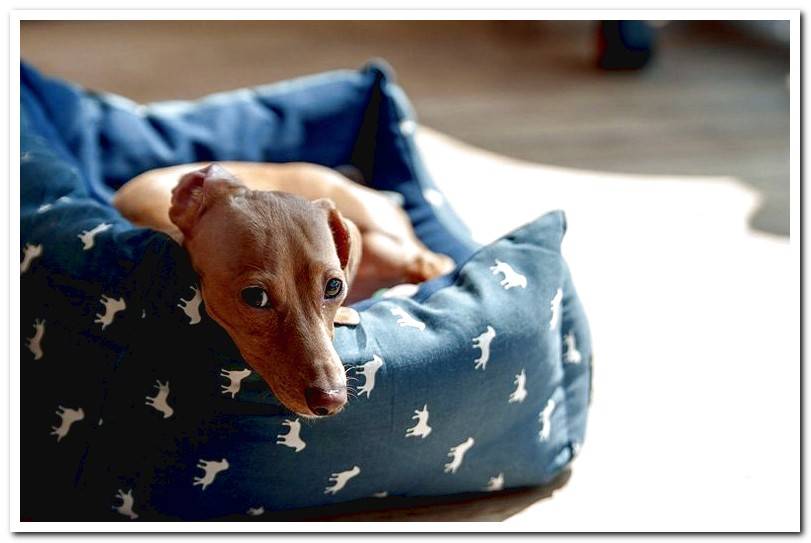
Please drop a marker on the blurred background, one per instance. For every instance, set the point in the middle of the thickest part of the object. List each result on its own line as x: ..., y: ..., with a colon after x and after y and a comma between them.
x: 667, y: 145
x: 709, y: 98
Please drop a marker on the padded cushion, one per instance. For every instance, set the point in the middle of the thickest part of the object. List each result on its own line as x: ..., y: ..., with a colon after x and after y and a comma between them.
x: 131, y: 394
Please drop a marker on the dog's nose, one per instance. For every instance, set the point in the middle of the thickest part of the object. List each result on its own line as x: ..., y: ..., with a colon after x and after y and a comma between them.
x: 325, y: 402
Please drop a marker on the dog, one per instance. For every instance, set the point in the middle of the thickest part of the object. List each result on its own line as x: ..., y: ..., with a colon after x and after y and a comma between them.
x: 277, y: 248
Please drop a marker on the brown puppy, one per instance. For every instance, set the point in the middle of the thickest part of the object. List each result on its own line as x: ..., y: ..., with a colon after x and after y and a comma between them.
x: 275, y: 267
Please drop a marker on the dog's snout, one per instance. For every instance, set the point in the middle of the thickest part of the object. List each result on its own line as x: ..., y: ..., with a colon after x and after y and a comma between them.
x: 325, y: 402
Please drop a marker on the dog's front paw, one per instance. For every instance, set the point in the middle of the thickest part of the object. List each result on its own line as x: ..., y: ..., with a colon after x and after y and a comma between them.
x: 347, y: 316
x: 427, y: 265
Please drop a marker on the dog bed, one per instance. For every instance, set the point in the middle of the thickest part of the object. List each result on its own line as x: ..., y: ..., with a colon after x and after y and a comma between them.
x: 137, y: 406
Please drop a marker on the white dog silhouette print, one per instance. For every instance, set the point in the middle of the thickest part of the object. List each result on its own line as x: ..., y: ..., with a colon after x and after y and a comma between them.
x: 235, y: 380
x: 545, y: 418
x: 292, y: 438
x: 433, y: 197
x: 158, y: 401
x: 572, y: 355
x: 68, y: 416
x: 211, y: 469
x: 421, y: 429
x: 127, y: 502
x: 520, y: 391
x: 457, y: 454
x: 45, y: 207
x: 408, y: 127
x: 495, y: 483
x: 482, y: 342
x: 192, y: 307
x: 554, y: 305
x: 34, y: 343
x: 369, y: 371
x: 511, y: 277
x: 340, y: 479
x: 111, y: 307
x: 30, y: 252
x: 88, y: 237
x: 256, y: 511
x: 407, y: 320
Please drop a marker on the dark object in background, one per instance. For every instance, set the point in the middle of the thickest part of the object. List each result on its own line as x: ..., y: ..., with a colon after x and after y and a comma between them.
x: 624, y: 45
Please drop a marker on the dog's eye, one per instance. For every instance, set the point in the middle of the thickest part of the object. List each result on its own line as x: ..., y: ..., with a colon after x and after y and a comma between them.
x: 255, y: 297
x: 333, y: 288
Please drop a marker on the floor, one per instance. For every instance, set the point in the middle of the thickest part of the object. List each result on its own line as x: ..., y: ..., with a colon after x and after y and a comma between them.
x: 713, y: 102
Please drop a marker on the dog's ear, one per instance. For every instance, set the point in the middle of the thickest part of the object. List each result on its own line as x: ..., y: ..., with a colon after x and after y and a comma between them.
x: 197, y: 189
x: 346, y: 237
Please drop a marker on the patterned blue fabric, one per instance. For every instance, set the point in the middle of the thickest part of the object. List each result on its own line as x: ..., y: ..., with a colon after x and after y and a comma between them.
x: 135, y: 404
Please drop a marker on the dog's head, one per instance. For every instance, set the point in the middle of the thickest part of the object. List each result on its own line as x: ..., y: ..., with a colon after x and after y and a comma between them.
x: 274, y: 269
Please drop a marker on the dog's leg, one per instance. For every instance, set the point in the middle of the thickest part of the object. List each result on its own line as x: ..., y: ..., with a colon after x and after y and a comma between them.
x: 399, y: 260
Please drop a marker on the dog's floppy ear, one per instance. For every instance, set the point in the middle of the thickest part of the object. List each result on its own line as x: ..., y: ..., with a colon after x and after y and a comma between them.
x: 197, y: 189
x: 348, y: 248
x: 346, y: 237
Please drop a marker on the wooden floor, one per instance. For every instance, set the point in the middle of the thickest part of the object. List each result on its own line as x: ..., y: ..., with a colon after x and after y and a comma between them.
x: 713, y: 103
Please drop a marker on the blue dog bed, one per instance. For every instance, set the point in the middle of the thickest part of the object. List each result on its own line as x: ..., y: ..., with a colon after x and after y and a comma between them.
x: 136, y: 405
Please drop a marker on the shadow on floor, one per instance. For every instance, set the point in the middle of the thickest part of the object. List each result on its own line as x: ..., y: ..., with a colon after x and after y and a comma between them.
x: 477, y: 507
